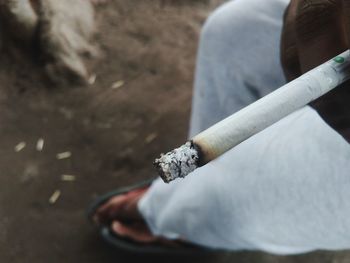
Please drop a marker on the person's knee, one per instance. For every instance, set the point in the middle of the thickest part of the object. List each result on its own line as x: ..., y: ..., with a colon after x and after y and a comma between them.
x: 223, y: 22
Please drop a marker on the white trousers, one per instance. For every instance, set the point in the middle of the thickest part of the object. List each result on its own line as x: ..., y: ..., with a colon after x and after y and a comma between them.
x: 285, y: 190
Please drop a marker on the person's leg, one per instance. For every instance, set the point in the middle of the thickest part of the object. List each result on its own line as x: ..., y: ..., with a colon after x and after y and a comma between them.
x: 285, y: 189
x: 238, y: 59
x: 238, y: 62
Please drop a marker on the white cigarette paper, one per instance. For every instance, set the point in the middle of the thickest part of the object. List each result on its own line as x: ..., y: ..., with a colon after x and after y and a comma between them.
x: 259, y: 115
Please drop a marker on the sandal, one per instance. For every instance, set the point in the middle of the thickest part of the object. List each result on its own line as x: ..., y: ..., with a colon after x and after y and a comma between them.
x: 128, y: 245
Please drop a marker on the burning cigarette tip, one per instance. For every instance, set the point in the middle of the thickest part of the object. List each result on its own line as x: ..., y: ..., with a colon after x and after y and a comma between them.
x: 177, y: 163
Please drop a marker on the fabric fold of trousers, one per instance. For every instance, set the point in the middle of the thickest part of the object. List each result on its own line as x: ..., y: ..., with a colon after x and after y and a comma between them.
x: 286, y: 190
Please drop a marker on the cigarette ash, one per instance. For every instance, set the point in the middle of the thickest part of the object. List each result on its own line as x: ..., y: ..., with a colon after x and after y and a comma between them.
x: 177, y: 163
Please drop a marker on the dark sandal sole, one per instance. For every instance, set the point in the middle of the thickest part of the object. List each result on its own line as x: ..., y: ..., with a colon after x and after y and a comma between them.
x: 130, y: 246
x: 104, y: 198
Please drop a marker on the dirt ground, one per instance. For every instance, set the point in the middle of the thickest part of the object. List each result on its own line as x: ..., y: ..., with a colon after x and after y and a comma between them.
x: 113, y: 134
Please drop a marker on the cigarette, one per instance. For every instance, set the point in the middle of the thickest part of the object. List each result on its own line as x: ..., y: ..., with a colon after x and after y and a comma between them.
x: 226, y: 134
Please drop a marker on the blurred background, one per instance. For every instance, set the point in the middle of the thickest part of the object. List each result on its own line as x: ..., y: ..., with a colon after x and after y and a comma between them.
x: 90, y: 94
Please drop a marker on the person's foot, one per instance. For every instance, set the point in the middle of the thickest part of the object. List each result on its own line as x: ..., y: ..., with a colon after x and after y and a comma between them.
x: 122, y: 215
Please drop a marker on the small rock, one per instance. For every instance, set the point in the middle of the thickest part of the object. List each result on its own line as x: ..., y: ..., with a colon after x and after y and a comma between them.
x: 117, y: 84
x: 40, y: 145
x: 20, y: 146
x: 63, y: 155
x: 68, y: 177
x: 54, y: 197
x: 150, y: 138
